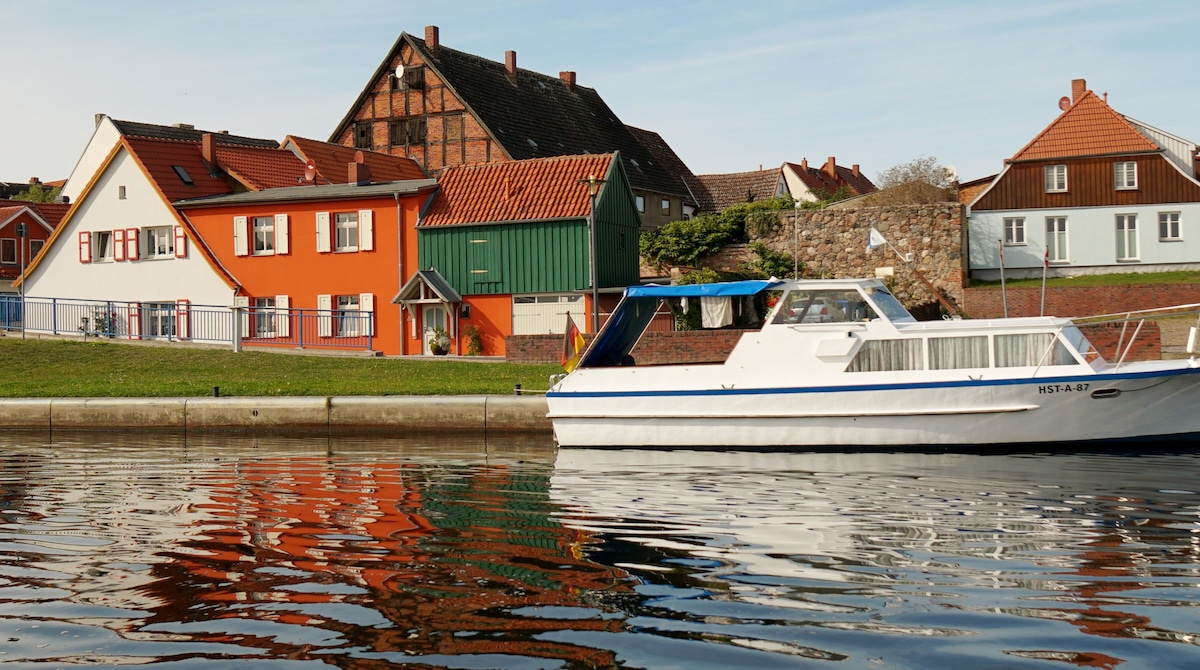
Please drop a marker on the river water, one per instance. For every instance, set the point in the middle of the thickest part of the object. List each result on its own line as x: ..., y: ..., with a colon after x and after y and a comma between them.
x: 372, y: 553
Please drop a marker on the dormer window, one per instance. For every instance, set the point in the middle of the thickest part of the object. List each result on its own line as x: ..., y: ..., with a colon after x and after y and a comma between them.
x: 1125, y: 175
x: 1056, y: 178
x: 183, y: 175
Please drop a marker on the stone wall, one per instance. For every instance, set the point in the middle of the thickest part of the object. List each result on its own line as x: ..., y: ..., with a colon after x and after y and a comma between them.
x: 833, y: 243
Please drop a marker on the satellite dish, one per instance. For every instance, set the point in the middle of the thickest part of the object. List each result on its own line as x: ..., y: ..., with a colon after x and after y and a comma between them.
x: 310, y: 171
x: 1063, y: 103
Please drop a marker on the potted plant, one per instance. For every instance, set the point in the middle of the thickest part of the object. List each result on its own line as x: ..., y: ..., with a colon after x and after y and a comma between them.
x: 439, y: 342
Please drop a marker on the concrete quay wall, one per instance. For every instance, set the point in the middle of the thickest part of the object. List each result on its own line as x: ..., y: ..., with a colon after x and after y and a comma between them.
x: 479, y: 415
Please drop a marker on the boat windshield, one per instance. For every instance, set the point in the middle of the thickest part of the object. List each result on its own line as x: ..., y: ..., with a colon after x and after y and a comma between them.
x: 824, y: 306
x: 887, y: 303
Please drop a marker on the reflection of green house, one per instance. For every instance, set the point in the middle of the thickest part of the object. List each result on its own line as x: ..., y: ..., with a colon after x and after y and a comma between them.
x: 513, y: 240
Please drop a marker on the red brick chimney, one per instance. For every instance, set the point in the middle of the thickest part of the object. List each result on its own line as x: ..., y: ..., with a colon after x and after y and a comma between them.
x: 358, y: 173
x: 510, y: 64
x: 568, y: 78
x: 854, y: 169
x: 804, y: 164
x: 1078, y: 88
x: 830, y: 167
x: 431, y: 38
x: 208, y: 150
x: 34, y: 181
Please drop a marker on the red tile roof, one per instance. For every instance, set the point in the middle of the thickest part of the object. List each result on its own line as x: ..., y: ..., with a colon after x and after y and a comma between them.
x: 51, y: 212
x: 1089, y: 127
x: 159, y: 158
x: 332, y: 161
x: 528, y: 190
x: 819, y: 178
x: 727, y: 190
x: 262, y: 168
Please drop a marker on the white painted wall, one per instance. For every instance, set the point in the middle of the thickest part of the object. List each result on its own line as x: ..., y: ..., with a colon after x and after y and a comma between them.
x: 1091, y: 241
x: 796, y: 187
x: 103, y: 139
x: 61, y: 275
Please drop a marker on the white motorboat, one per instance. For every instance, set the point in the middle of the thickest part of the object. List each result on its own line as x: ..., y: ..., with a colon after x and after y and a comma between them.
x: 841, y: 363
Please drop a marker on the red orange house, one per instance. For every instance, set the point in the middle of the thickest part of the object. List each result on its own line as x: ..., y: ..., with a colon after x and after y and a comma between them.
x: 17, y: 250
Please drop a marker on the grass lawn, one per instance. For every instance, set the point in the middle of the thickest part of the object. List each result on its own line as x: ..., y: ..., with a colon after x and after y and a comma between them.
x: 61, y: 368
x: 1099, y: 280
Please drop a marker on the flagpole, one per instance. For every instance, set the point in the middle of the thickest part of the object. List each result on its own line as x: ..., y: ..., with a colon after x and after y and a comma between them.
x: 1003, y: 293
x: 1045, y: 269
x: 915, y: 271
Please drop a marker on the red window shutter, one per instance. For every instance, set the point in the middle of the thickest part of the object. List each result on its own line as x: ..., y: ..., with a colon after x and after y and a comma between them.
x: 180, y: 243
x: 131, y: 244
x: 183, y: 316
x: 85, y: 247
x: 118, y: 244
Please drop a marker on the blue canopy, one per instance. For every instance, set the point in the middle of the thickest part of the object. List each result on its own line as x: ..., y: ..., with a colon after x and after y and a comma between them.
x: 631, y: 317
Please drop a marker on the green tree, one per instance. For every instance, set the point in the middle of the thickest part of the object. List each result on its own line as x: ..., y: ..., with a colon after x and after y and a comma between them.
x: 38, y: 193
x: 686, y: 242
x: 918, y: 182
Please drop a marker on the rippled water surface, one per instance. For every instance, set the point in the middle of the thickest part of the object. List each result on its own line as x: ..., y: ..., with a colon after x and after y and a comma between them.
x: 205, y: 553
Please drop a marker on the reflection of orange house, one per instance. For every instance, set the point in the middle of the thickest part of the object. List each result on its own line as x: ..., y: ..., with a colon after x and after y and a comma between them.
x: 317, y: 264
x: 440, y: 561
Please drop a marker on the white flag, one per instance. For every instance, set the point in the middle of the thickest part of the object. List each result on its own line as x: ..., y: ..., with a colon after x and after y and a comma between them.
x: 875, y: 239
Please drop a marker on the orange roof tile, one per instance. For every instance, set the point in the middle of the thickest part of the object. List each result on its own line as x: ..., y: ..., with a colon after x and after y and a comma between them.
x: 1089, y: 127
x: 262, y: 168
x: 159, y: 158
x: 332, y: 161
x: 535, y: 189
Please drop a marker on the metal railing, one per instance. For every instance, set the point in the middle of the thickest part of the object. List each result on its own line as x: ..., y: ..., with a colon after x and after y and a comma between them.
x: 183, y: 322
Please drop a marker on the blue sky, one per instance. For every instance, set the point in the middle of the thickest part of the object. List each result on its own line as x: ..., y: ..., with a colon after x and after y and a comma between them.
x: 729, y: 85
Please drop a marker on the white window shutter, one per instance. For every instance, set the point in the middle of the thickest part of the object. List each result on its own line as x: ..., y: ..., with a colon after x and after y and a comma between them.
x: 243, y: 302
x: 85, y: 247
x: 281, y: 233
x: 131, y: 244
x: 324, y: 315
x: 118, y: 244
x: 241, y: 246
x: 183, y: 319
x: 366, y: 304
x: 323, y: 246
x: 283, y: 314
x: 180, y: 242
x: 366, y: 230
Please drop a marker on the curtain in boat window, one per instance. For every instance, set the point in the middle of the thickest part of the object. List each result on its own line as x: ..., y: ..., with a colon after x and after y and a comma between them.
x: 1031, y: 349
x: 951, y: 353
x: 883, y: 355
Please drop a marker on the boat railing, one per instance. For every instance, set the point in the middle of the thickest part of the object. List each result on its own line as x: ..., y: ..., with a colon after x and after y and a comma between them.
x: 1140, y: 317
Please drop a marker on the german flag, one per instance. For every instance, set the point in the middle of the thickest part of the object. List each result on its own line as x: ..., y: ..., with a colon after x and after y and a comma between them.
x: 572, y: 345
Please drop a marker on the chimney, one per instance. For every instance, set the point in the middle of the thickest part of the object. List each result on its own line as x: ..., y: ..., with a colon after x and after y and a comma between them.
x: 183, y: 126
x: 804, y: 164
x: 208, y: 150
x: 34, y: 181
x: 830, y: 167
x: 510, y: 64
x: 359, y: 174
x: 568, y: 78
x: 431, y: 38
x: 1078, y: 88
x: 854, y: 169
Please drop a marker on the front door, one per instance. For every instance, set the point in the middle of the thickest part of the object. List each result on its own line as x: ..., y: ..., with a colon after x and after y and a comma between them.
x: 434, y: 319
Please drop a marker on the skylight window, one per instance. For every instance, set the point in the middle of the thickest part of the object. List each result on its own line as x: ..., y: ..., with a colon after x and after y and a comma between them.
x: 532, y: 143
x: 183, y: 175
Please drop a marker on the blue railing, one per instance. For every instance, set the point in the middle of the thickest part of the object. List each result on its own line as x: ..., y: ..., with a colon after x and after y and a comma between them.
x: 182, y: 322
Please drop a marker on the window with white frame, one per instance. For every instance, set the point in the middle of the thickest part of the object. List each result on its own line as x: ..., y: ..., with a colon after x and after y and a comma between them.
x: 35, y: 246
x: 641, y: 204
x: 886, y: 355
x: 348, y: 316
x: 102, y: 246
x: 1168, y: 226
x: 264, y: 235
x: 8, y: 251
x: 346, y: 227
x: 160, y: 242
x: 157, y: 319
x: 1125, y: 175
x: 1031, y: 349
x: 955, y: 353
x: 1056, y: 178
x: 1127, y: 249
x: 1056, y: 238
x: 1014, y: 230
x: 264, y: 317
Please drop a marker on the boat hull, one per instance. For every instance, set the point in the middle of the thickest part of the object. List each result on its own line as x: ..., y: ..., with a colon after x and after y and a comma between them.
x: 1152, y: 405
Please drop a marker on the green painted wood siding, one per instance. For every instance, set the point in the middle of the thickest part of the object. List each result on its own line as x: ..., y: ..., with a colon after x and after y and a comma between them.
x: 617, y: 228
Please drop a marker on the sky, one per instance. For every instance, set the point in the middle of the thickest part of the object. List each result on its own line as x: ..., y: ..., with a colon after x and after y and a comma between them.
x: 731, y: 86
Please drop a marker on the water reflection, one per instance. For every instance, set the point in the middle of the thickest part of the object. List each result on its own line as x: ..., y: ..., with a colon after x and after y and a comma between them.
x: 374, y: 553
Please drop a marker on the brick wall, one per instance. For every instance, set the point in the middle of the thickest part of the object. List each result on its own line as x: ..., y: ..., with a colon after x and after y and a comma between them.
x: 986, y: 303
x: 1106, y: 338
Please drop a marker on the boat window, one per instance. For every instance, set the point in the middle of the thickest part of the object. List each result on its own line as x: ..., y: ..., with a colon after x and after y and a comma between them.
x: 1031, y: 349
x: 883, y: 355
x: 1077, y: 339
x: 831, y: 306
x: 954, y: 353
x: 888, y: 304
